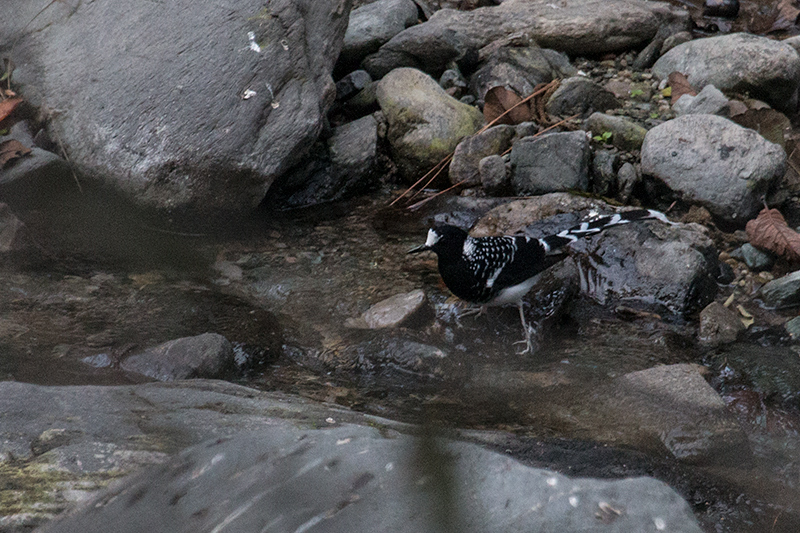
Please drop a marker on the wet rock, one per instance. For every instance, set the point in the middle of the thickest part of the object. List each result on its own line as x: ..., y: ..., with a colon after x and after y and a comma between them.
x: 580, y: 96
x: 793, y: 328
x: 519, y: 69
x: 205, y: 356
x: 773, y: 372
x: 739, y: 62
x: 391, y: 312
x: 625, y: 134
x: 604, y: 172
x: 550, y: 163
x: 345, y: 165
x: 372, y: 25
x: 87, y: 436
x: 719, y: 325
x: 36, y: 180
x: 494, y: 178
x: 391, y: 357
x: 464, y: 165
x: 709, y: 101
x: 651, y: 263
x: 754, y: 258
x: 782, y: 292
x: 425, y: 124
x: 352, y: 84
x: 714, y: 162
x: 348, y: 478
x: 11, y: 231
x: 676, y: 405
x: 153, y: 123
x: 627, y: 178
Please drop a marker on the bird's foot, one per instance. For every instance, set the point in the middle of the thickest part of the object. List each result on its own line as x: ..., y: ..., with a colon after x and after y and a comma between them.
x: 528, y: 341
x: 472, y: 310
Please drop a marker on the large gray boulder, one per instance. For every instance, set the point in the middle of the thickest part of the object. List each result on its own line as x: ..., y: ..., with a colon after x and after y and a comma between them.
x: 425, y: 123
x: 714, y: 162
x: 572, y: 26
x: 738, y: 62
x: 181, y: 105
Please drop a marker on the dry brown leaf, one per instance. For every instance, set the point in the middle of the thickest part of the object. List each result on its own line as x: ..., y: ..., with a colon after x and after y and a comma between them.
x: 498, y: 100
x: 8, y: 105
x: 769, y: 231
x: 769, y: 123
x: 10, y: 150
x: 680, y: 86
x: 786, y: 14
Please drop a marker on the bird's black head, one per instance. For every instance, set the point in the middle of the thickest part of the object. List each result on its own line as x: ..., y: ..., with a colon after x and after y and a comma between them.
x: 443, y: 240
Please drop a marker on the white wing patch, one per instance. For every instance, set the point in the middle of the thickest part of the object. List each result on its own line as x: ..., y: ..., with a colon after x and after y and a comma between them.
x: 469, y: 248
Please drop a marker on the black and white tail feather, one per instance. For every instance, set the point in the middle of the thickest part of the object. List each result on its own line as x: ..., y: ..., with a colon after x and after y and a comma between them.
x: 491, y: 271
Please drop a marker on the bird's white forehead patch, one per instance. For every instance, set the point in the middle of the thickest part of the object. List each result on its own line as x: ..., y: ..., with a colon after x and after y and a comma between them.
x: 433, y: 237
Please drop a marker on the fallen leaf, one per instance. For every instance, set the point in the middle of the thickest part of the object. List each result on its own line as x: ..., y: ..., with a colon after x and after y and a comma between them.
x: 8, y: 105
x: 769, y: 231
x: 10, y: 150
x: 498, y: 100
x: 680, y: 85
x: 769, y: 123
x: 786, y: 14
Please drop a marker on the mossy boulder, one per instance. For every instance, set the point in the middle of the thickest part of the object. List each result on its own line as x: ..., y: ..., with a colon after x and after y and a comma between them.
x: 425, y: 123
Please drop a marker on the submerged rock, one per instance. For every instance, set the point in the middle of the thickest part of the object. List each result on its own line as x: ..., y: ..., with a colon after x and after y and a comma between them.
x: 391, y: 312
x: 205, y: 356
x: 425, y: 123
x: 714, y: 162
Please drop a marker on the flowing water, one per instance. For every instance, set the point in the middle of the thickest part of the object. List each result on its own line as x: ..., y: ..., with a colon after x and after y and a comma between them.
x: 281, y: 288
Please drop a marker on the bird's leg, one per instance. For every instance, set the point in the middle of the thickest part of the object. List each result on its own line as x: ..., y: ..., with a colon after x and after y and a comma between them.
x: 528, y: 331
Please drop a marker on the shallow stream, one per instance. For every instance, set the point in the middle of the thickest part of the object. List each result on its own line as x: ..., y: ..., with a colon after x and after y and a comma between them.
x: 281, y: 288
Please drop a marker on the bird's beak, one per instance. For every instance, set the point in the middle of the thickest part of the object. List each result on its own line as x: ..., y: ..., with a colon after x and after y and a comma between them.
x: 418, y: 249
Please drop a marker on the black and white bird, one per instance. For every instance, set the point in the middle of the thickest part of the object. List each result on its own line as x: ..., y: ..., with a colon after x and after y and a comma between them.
x: 491, y: 271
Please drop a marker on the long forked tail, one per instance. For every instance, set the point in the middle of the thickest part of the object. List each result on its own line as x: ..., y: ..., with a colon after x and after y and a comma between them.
x: 552, y: 243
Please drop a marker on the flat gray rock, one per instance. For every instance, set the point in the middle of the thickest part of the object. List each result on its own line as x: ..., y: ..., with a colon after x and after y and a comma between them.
x: 358, y: 479
x: 175, y: 111
x: 714, y: 162
x: 738, y: 62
